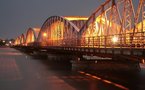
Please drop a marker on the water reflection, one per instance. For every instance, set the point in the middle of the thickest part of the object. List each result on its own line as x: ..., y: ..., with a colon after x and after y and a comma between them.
x: 54, y: 72
x: 62, y: 66
x: 122, y: 79
x: 8, y: 51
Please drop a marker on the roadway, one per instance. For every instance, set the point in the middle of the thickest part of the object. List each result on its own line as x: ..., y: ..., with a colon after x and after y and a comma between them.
x: 19, y: 71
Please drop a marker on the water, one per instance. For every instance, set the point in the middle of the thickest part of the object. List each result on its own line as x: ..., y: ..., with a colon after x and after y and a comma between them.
x: 21, y: 71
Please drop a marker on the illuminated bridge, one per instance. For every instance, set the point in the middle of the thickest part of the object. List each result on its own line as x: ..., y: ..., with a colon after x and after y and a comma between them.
x: 115, y: 28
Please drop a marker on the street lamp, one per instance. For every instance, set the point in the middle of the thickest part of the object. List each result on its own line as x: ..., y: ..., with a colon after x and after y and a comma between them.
x: 114, y: 39
x: 44, y: 34
x: 10, y: 42
x: 4, y: 41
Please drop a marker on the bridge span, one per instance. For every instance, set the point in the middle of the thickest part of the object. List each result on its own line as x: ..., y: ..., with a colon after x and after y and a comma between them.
x: 114, y: 29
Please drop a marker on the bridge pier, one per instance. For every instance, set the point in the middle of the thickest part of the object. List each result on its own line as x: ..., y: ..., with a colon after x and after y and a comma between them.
x: 121, y: 59
x: 104, y: 64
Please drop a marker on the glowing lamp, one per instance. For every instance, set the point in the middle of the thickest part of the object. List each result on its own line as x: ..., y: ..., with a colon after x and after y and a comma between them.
x: 114, y: 39
x: 44, y: 34
x: 4, y: 41
x: 142, y: 61
x: 10, y: 42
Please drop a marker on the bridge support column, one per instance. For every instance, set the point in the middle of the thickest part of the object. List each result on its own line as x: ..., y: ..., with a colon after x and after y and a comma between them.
x: 116, y: 64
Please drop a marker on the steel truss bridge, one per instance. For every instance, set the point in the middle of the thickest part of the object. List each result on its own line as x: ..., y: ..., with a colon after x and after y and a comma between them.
x: 114, y: 28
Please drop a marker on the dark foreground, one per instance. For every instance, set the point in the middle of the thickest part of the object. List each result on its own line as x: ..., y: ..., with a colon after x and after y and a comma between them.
x: 19, y: 71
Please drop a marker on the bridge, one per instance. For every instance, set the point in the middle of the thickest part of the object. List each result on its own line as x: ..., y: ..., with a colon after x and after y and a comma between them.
x: 115, y: 28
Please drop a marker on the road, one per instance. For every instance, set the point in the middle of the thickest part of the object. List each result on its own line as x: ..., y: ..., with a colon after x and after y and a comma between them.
x: 19, y: 71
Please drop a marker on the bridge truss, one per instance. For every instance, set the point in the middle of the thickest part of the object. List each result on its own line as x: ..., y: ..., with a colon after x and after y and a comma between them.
x: 115, y: 23
x: 114, y: 27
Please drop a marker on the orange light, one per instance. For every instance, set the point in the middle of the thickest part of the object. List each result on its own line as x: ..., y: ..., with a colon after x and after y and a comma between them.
x: 114, y: 39
x: 45, y: 34
x: 70, y: 18
x: 143, y: 61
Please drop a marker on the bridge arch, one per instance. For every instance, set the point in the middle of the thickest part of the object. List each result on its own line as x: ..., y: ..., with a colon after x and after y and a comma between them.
x: 105, y: 26
x: 17, y: 41
x: 22, y: 39
x: 31, y: 35
x: 59, y: 32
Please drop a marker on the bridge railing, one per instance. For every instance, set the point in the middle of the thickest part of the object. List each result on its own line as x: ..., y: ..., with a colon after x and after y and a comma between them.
x: 115, y: 41
x: 109, y: 41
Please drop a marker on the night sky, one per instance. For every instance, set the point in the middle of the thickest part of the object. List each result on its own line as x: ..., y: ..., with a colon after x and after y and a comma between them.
x: 16, y: 16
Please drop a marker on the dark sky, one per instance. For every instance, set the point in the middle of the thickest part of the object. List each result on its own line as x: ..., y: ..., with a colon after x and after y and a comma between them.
x: 16, y: 16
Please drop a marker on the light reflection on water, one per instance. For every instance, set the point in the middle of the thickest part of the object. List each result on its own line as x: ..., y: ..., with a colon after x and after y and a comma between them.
x: 132, y: 80
x: 142, y: 66
x: 135, y: 81
x: 142, y: 71
x: 10, y: 53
